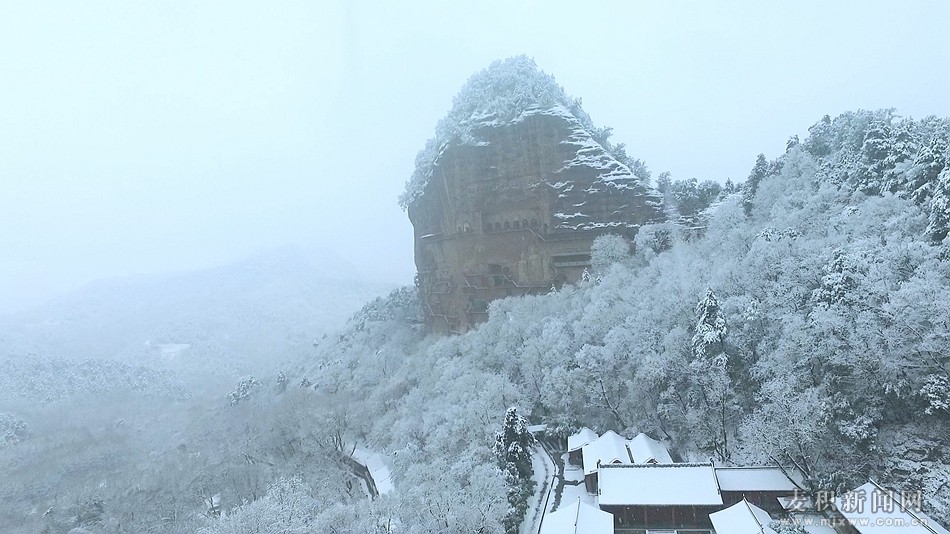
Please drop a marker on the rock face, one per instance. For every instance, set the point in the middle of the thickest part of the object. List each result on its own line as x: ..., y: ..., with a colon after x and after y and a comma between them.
x: 513, y: 207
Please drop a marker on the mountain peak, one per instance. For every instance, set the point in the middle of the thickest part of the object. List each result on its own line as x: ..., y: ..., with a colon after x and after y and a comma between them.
x: 500, y: 94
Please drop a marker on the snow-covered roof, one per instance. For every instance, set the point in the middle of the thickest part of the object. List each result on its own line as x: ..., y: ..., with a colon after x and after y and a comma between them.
x: 581, y: 438
x: 536, y: 429
x: 578, y: 518
x: 658, y: 485
x: 377, y: 467
x: 742, y: 518
x: 798, y: 503
x: 866, y: 508
x: 754, y: 479
x: 610, y: 448
x: 645, y: 449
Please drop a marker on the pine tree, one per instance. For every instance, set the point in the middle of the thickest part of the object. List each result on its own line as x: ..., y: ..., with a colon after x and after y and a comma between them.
x: 759, y: 171
x: 692, y: 197
x: 663, y: 182
x: 12, y: 429
x: 792, y: 142
x: 243, y: 390
x: 902, y: 146
x: 513, y: 445
x: 513, y: 452
x: 939, y: 220
x: 929, y: 162
x: 729, y: 187
x: 874, y: 152
x: 713, y: 399
x: 710, y: 336
x: 282, y: 381
x: 820, y: 141
x: 840, y: 281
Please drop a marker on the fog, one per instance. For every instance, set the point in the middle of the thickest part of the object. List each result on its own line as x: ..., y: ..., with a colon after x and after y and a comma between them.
x: 149, y: 137
x: 208, y: 322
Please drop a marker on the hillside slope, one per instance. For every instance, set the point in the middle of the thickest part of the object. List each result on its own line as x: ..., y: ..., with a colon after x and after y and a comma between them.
x: 807, y: 323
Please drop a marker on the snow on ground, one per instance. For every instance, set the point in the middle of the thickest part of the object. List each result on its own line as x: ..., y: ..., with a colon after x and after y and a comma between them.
x: 573, y: 473
x: 574, y: 487
x: 542, y: 473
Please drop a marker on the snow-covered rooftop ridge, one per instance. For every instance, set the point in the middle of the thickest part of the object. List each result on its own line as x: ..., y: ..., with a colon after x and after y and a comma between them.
x: 660, y: 466
x: 645, y: 449
x: 742, y: 518
x: 580, y: 438
x: 610, y: 448
x: 578, y: 518
x: 507, y: 91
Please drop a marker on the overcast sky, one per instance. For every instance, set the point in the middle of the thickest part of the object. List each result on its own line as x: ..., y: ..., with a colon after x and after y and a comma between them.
x: 140, y: 137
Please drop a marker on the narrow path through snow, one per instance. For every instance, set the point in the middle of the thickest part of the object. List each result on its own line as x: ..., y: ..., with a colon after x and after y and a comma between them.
x: 570, y: 486
x: 544, y: 474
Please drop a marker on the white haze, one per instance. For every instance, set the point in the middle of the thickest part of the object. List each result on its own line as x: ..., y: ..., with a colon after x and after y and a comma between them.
x: 143, y: 137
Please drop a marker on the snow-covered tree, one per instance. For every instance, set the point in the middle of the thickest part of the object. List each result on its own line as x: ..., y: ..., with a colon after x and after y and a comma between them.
x: 710, y: 334
x: 281, y: 382
x: 929, y: 162
x: 514, y: 443
x: 839, y: 284
x: 936, y: 392
x: 691, y: 197
x: 286, y: 508
x: 608, y: 249
x: 12, y: 429
x: 758, y: 173
x: 242, y: 391
x: 940, y: 207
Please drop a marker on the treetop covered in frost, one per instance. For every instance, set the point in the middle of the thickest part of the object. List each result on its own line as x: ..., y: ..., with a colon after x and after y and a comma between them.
x: 499, y: 94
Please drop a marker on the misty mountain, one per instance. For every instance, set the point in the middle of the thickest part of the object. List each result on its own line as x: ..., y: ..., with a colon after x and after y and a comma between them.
x: 47, y: 379
x: 800, y: 320
x: 234, y: 316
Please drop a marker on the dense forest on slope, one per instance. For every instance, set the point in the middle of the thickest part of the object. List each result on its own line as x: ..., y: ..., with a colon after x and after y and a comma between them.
x: 115, y: 414
x: 46, y: 379
x: 807, y: 323
x: 801, y: 317
x: 131, y: 464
